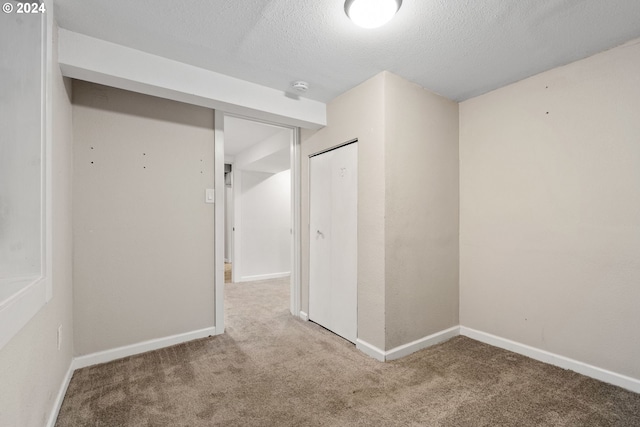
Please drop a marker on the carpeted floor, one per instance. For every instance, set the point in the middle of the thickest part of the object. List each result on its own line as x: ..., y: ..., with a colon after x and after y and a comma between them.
x: 227, y: 272
x: 271, y: 369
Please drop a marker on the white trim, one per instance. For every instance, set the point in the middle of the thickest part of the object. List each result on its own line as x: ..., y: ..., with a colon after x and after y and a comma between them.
x: 236, y: 178
x: 264, y: 276
x: 610, y: 377
x: 407, y: 349
x: 296, y: 223
x: 304, y: 316
x: 422, y: 343
x: 143, y: 347
x: 53, y: 417
x: 13, y: 288
x: 370, y: 350
x: 218, y: 237
x: 17, y: 309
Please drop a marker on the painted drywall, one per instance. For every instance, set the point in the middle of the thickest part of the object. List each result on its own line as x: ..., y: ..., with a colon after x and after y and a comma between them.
x: 358, y: 113
x: 32, y: 369
x: 275, y: 162
x: 421, y: 212
x: 99, y: 61
x: 143, y: 234
x: 20, y: 147
x: 264, y: 227
x: 550, y: 211
x: 407, y: 207
x: 253, y: 157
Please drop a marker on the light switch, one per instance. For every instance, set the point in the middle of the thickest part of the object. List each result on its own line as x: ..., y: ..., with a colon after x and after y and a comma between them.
x: 210, y: 195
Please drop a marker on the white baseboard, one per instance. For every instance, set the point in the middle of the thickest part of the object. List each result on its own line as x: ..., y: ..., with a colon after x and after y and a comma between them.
x: 304, y: 316
x: 412, y: 347
x: 604, y: 375
x: 407, y: 349
x: 264, y: 276
x: 370, y: 350
x: 57, y: 404
x: 143, y: 347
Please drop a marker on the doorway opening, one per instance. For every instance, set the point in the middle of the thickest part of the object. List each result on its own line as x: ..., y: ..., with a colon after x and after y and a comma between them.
x: 260, y: 215
x: 228, y: 220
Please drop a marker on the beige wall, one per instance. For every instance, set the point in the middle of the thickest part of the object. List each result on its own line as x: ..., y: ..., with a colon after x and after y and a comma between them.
x: 421, y: 210
x: 32, y: 369
x: 550, y: 211
x: 358, y: 113
x: 407, y: 206
x: 143, y: 236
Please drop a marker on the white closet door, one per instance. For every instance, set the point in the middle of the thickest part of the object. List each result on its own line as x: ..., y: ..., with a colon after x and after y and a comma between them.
x: 333, y: 240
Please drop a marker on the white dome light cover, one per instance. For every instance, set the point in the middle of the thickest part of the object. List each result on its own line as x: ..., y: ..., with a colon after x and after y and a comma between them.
x: 371, y: 13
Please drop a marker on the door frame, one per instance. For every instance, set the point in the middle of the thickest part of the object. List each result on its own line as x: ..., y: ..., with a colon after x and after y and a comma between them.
x: 219, y: 229
x: 219, y: 161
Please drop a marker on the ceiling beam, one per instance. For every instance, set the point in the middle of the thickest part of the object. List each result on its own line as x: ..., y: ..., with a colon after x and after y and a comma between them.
x: 94, y: 60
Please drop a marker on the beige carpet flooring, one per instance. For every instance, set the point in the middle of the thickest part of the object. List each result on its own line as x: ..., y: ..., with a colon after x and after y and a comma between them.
x: 271, y: 369
x: 227, y: 272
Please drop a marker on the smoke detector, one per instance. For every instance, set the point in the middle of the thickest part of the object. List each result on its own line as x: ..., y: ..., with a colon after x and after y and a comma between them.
x: 300, y: 86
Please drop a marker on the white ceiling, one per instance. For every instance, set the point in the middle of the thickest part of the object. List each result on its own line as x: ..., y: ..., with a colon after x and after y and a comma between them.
x: 457, y: 48
x: 240, y: 134
x: 273, y: 163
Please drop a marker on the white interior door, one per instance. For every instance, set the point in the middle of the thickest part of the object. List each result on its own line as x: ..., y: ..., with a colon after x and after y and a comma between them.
x: 333, y: 240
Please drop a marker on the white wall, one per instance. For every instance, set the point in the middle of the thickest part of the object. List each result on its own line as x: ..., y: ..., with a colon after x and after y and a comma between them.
x: 550, y: 211
x: 32, y: 369
x: 228, y: 223
x: 257, y: 156
x: 143, y: 236
x: 263, y: 230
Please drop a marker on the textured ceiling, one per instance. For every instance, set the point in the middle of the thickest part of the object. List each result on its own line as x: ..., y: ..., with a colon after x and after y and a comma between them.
x: 457, y: 48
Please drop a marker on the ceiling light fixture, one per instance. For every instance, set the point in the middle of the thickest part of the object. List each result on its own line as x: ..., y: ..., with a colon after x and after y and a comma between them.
x: 371, y: 13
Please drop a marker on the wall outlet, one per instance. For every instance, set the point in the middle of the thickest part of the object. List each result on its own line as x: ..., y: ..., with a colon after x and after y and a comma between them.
x: 59, y: 336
